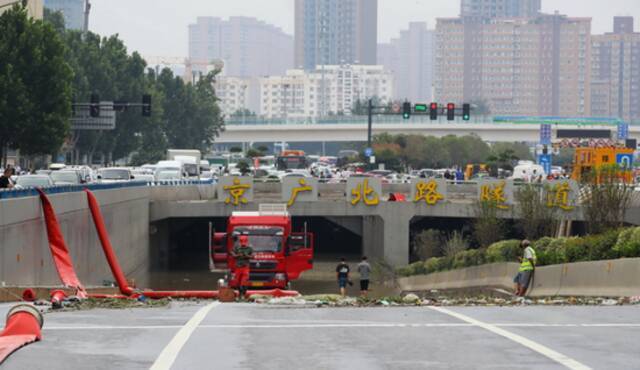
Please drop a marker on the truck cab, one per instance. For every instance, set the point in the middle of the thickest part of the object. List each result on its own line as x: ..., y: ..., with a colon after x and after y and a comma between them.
x: 279, y: 255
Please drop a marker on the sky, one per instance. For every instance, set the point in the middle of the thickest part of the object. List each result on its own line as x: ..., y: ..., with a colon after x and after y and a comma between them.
x: 159, y: 27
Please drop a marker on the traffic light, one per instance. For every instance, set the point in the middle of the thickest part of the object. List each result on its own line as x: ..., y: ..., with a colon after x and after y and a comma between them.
x: 466, y: 112
x: 451, y: 112
x: 94, y: 107
x: 420, y: 108
x: 146, y: 105
x: 406, y: 110
x: 433, y: 112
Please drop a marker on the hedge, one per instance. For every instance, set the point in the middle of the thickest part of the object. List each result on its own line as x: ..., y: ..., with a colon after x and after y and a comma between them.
x: 624, y: 243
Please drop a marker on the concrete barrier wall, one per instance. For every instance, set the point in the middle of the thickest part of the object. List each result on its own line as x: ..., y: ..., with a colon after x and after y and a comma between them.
x: 183, y: 192
x: 598, y: 278
x: 25, y: 258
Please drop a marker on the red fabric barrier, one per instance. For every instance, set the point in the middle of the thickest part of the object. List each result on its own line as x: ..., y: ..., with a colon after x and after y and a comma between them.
x: 58, y: 247
x: 103, y: 235
x: 277, y: 293
x: 23, y: 327
x: 112, y: 259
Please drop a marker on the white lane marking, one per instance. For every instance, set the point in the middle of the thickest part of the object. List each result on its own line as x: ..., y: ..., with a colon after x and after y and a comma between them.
x: 169, y: 354
x: 537, y: 347
x: 343, y: 325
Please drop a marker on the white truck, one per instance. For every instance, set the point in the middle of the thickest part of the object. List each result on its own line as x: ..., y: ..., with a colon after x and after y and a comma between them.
x: 189, y: 158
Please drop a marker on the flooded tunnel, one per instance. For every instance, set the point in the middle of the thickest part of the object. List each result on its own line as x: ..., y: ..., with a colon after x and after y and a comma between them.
x: 180, y: 249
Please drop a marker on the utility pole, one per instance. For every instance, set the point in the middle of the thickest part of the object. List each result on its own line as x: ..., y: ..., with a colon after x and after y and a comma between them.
x: 369, y: 121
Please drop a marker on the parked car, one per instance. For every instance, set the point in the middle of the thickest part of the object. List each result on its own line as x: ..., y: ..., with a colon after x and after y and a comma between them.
x: 168, y: 175
x: 114, y: 174
x: 66, y: 177
x: 33, y: 181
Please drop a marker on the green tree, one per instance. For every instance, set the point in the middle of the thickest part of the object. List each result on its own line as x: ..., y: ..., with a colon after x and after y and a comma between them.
x: 35, y: 90
x: 56, y: 19
x: 192, y: 116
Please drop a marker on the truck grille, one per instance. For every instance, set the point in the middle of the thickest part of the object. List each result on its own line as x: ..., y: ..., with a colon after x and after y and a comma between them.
x: 261, y: 276
x: 263, y: 265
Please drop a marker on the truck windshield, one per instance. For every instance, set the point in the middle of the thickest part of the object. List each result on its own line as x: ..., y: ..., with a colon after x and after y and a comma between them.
x: 292, y: 163
x: 267, y: 239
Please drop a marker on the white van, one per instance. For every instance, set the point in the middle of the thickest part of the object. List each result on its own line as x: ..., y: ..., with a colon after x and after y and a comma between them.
x: 191, y: 165
x: 171, y: 166
x: 528, y: 171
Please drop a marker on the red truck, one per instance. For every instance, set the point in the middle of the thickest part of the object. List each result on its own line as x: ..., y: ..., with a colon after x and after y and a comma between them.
x: 279, y: 255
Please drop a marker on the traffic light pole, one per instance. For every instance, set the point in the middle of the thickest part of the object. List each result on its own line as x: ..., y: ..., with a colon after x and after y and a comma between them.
x: 369, y: 122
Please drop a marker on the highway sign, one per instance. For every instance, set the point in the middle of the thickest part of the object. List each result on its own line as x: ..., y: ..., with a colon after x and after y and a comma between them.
x: 82, y: 119
x: 623, y: 131
x: 545, y: 134
x: 624, y: 160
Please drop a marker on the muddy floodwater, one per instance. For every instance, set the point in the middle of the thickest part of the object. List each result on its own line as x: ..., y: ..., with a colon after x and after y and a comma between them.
x: 320, y: 280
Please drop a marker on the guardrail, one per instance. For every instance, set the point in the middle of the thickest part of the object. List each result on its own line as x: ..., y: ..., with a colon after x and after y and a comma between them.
x: 58, y: 189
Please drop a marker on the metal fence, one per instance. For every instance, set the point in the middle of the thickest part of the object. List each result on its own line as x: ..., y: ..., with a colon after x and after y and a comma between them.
x: 58, y: 189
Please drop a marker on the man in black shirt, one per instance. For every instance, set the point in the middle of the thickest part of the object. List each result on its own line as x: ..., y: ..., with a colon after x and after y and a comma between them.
x: 342, y: 273
x: 5, y: 179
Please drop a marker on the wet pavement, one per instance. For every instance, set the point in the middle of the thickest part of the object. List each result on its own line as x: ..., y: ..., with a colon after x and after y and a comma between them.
x: 253, y: 336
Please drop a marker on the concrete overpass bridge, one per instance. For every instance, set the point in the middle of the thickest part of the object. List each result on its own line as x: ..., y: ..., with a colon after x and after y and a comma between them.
x: 149, y: 223
x: 349, y: 129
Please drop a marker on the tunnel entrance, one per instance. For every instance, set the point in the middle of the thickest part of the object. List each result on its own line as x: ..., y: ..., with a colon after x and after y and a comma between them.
x: 180, y: 249
x: 334, y: 237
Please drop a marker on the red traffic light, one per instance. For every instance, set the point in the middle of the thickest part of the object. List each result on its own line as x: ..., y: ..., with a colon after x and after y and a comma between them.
x: 451, y: 111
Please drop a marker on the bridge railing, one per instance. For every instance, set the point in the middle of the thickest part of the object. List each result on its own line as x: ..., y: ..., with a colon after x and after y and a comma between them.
x: 58, y: 189
x: 345, y: 120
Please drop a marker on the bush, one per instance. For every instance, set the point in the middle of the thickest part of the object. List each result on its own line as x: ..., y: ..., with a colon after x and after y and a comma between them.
x: 601, y: 247
x: 455, y: 244
x: 608, y: 245
x: 504, y: 251
x: 433, y: 265
x: 554, y: 253
x: 427, y: 244
x: 628, y: 243
x: 468, y: 258
x: 416, y: 268
x: 575, y: 250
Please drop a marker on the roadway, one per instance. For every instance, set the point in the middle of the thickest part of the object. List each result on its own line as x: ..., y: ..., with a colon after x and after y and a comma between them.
x: 248, y: 336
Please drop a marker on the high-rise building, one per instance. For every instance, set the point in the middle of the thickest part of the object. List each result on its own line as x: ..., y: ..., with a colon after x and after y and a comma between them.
x: 411, y: 59
x: 72, y: 10
x: 328, y: 90
x: 500, y: 8
x: 237, y: 94
x: 615, y: 80
x: 34, y: 7
x: 518, y: 66
x: 248, y: 47
x: 333, y: 32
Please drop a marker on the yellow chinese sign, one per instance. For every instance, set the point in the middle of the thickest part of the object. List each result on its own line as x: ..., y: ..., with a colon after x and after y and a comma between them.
x: 236, y: 192
x: 304, y: 187
x: 494, y: 193
x: 428, y: 191
x: 558, y: 196
x: 363, y: 193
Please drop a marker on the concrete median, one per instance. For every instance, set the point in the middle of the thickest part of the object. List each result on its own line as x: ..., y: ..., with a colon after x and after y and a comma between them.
x: 612, y: 278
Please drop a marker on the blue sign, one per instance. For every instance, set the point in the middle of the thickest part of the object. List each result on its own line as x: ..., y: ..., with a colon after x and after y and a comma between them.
x: 545, y: 134
x: 545, y: 161
x: 624, y: 160
x: 368, y: 152
x: 623, y: 131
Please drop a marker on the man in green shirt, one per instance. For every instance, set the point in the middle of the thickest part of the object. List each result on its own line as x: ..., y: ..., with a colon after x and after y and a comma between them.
x: 242, y: 253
